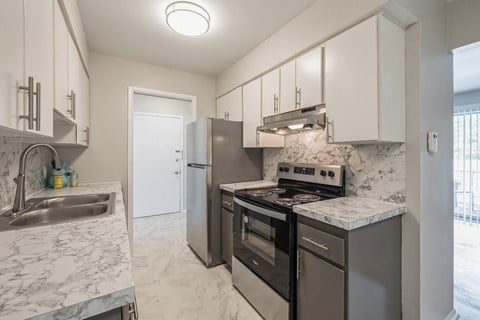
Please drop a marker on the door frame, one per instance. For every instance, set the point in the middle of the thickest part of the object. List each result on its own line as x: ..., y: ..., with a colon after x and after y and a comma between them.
x: 160, y: 115
x: 132, y: 90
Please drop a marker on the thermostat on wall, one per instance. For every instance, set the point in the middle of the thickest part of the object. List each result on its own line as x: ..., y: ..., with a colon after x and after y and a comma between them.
x: 432, y: 141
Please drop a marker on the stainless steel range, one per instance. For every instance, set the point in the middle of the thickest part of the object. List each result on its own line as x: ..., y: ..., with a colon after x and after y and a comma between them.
x: 264, y: 234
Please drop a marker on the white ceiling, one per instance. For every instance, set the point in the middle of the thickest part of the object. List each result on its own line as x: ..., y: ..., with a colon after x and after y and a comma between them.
x: 466, y: 69
x: 137, y: 30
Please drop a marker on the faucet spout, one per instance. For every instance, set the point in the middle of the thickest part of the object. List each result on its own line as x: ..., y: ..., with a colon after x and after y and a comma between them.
x: 19, y: 203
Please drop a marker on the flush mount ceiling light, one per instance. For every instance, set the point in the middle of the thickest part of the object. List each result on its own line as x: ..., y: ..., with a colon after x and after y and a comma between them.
x: 187, y: 18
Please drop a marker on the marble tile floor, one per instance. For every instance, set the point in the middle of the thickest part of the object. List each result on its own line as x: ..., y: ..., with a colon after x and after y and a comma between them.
x: 172, y: 283
x: 467, y: 270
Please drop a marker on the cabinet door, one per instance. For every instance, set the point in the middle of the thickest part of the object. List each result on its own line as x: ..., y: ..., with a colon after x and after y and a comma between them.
x: 270, y: 93
x: 309, y: 78
x: 252, y: 111
x: 11, y: 63
x: 39, y: 60
x: 229, y: 106
x: 84, y: 109
x: 227, y: 236
x: 221, y: 108
x: 288, y: 100
x: 62, y: 104
x: 320, y: 289
x: 351, y: 84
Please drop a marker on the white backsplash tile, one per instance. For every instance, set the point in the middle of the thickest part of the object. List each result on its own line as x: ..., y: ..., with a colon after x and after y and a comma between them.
x: 10, y: 150
x: 373, y: 171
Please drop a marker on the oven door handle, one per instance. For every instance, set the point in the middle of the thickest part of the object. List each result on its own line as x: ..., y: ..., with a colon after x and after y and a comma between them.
x: 266, y: 212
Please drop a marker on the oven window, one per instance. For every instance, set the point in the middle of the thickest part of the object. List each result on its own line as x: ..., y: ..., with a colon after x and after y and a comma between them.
x: 259, y: 237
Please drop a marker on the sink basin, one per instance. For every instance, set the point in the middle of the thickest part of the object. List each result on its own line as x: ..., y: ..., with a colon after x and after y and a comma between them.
x: 67, y: 201
x: 59, y: 214
x: 45, y: 211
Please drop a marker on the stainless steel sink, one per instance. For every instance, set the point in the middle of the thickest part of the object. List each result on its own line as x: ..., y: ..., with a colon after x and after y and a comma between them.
x: 67, y: 201
x: 45, y: 211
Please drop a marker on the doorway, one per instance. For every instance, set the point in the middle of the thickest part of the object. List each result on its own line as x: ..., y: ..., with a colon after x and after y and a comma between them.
x: 156, y: 158
x: 157, y: 164
x: 466, y: 123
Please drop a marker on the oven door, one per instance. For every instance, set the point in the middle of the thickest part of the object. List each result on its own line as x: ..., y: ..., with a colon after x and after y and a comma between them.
x: 261, y: 241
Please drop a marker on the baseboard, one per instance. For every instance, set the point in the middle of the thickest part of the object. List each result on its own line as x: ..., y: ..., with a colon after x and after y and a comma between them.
x: 453, y: 315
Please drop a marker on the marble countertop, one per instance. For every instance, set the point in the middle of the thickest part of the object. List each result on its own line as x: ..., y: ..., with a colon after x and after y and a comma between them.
x: 232, y: 187
x: 71, y: 270
x: 350, y: 213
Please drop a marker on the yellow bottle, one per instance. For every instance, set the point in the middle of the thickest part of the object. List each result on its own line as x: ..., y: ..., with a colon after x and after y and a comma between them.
x: 58, y: 179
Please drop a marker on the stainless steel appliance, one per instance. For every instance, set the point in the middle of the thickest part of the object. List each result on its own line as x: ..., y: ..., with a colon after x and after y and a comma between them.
x: 295, y: 121
x: 264, y: 234
x: 215, y: 155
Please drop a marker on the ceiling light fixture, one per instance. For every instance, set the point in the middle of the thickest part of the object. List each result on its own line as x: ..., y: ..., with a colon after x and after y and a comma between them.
x: 187, y: 18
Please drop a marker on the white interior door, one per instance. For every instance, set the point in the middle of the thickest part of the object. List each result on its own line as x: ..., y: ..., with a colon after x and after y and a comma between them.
x: 157, y: 164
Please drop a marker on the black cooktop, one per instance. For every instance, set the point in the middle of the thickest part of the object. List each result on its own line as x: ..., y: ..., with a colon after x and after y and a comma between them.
x: 288, y: 194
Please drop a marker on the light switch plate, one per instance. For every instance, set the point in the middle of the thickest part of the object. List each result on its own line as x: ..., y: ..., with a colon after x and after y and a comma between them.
x: 432, y: 141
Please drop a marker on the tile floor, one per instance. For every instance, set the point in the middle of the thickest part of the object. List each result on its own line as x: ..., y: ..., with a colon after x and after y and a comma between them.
x: 467, y: 270
x: 172, y: 283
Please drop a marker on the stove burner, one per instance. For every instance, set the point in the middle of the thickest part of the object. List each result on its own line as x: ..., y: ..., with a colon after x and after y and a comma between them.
x: 287, y: 201
x: 260, y: 193
x: 306, y: 197
x: 277, y: 190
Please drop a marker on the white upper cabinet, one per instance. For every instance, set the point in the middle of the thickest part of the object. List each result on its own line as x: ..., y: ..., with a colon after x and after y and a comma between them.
x: 27, y: 53
x: 288, y: 93
x: 252, y: 111
x: 39, y: 62
x: 309, y: 74
x: 83, y: 126
x: 229, y: 106
x: 11, y: 62
x: 365, y: 83
x: 63, y: 101
x: 271, y: 93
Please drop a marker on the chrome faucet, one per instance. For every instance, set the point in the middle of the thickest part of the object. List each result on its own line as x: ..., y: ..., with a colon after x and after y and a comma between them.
x: 19, y: 203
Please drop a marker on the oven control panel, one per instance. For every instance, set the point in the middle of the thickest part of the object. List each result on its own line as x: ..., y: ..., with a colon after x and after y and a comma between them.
x: 323, y: 174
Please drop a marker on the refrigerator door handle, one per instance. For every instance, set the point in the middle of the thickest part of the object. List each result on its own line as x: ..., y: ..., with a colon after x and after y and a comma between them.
x: 197, y: 166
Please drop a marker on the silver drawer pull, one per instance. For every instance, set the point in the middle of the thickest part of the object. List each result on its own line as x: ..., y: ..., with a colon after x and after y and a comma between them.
x: 324, y: 247
x: 229, y: 204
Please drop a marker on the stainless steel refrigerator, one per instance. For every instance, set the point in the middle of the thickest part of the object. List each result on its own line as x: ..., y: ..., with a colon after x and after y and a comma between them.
x: 215, y: 155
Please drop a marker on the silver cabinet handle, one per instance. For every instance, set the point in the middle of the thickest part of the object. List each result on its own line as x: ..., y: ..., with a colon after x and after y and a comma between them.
x: 257, y: 141
x: 132, y: 310
x: 73, y: 104
x: 298, y: 264
x: 322, y: 246
x: 330, y: 130
x: 228, y: 204
x: 87, y: 134
x: 38, y: 111
x: 298, y: 97
x: 29, y: 90
x: 275, y: 104
x: 178, y: 172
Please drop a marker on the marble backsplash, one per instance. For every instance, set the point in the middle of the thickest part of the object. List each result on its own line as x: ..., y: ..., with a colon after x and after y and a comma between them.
x: 372, y: 171
x: 10, y: 150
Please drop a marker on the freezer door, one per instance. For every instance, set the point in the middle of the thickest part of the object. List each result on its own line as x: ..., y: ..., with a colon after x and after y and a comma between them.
x: 199, y: 142
x: 198, y: 183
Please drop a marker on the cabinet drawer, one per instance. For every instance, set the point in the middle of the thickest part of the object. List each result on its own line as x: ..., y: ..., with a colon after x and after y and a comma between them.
x: 322, y: 243
x: 227, y: 201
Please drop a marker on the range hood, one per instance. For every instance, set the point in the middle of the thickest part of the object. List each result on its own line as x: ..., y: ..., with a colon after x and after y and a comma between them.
x: 309, y: 118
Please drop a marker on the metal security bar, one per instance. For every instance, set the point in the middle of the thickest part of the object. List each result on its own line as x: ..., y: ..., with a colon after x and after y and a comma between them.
x: 466, y: 125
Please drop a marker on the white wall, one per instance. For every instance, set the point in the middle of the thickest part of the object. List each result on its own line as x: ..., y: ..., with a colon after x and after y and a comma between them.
x: 106, y: 158
x: 463, y: 23
x: 166, y: 106
x: 428, y: 226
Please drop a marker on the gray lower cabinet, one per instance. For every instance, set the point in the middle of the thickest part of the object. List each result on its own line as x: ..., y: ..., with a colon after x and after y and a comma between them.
x: 227, y: 227
x: 320, y: 293
x: 227, y: 236
x: 349, y: 275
